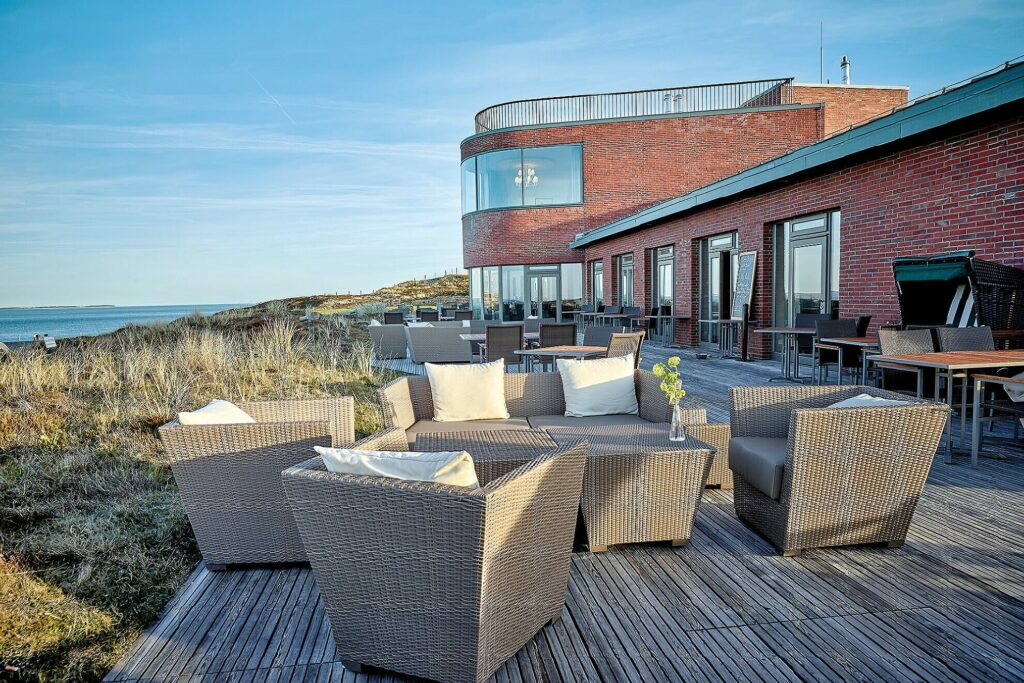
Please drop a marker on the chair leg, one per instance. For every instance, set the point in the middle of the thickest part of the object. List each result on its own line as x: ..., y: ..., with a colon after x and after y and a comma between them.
x: 791, y: 553
x: 216, y: 567
x: 680, y: 542
x: 354, y: 667
x: 598, y: 548
x: 894, y: 544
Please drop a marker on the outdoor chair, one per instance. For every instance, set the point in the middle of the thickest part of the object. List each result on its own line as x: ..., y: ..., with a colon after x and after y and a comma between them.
x: 502, y: 343
x: 904, y: 343
x: 388, y: 340
x: 429, y: 344
x: 463, y: 315
x: 600, y: 335
x: 863, y: 322
x: 394, y: 317
x: 805, y: 343
x: 531, y: 325
x: 965, y: 339
x: 229, y: 475
x: 623, y: 344
x: 556, y: 334
x: 636, y: 317
x: 428, y: 316
x: 438, y: 581
x: 807, y: 475
x: 609, y: 310
x: 827, y: 356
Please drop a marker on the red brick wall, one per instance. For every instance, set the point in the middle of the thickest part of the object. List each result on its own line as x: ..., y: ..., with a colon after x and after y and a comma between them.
x: 627, y: 166
x: 846, y: 105
x: 963, y: 191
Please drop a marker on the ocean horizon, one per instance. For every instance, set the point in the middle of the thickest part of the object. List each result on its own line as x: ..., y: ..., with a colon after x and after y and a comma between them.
x: 21, y: 324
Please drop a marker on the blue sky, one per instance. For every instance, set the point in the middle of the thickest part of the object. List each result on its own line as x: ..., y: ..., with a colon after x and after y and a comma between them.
x: 206, y: 152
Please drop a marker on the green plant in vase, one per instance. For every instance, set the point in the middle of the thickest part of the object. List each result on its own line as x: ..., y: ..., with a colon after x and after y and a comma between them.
x: 672, y: 387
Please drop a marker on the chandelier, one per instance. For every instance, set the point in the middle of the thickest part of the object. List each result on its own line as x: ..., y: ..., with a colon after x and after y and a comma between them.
x: 531, y: 177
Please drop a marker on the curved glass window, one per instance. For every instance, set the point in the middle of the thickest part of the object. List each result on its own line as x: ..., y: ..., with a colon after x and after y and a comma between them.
x: 531, y: 176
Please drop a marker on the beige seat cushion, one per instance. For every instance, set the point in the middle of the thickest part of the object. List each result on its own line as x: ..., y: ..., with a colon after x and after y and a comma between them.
x: 216, y: 412
x: 562, y: 421
x: 450, y: 467
x: 598, y: 387
x: 431, y: 427
x: 468, y: 392
x: 760, y: 461
x: 868, y: 401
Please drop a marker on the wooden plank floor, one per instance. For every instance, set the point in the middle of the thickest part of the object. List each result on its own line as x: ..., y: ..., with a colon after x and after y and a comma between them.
x: 949, y: 605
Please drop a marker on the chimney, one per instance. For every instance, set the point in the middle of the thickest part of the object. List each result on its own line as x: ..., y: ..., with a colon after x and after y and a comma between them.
x: 844, y: 66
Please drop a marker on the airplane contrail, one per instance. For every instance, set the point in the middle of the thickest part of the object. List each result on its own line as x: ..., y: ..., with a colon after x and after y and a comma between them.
x: 267, y: 92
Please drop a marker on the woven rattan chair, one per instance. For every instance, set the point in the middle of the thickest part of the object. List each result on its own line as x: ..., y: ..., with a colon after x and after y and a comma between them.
x: 438, y: 581
x: 230, y: 476
x: 555, y: 334
x: 626, y: 343
x: 394, y: 317
x: 905, y: 343
x: 502, y: 343
x: 388, y: 341
x: 836, y: 476
x: 463, y: 315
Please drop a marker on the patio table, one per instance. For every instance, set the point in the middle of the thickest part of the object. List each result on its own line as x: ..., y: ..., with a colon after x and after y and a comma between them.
x: 945, y: 365
x: 638, y: 485
x: 790, y: 350
x: 728, y: 331
x: 865, y: 344
x: 564, y: 351
x: 605, y: 317
x: 475, y: 337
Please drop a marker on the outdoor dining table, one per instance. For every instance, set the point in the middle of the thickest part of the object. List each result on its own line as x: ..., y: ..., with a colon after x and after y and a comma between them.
x: 790, y: 350
x: 728, y: 331
x: 482, y: 337
x: 564, y: 351
x: 867, y: 345
x: 945, y: 365
x: 605, y: 317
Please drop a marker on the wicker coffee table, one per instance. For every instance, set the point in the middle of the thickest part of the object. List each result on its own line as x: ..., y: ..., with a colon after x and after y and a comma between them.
x: 638, y: 485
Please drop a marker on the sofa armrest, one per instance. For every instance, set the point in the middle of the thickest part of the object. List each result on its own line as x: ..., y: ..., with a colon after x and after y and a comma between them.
x: 253, y: 441
x: 338, y: 411
x: 654, y: 406
x: 396, y: 404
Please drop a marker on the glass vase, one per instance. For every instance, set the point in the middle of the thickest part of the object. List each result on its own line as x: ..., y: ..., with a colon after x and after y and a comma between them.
x: 677, y: 431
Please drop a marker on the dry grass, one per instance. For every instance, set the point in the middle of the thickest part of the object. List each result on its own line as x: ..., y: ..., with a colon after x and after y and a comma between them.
x: 93, y: 536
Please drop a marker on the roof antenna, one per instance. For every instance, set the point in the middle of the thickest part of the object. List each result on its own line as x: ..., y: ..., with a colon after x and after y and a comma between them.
x: 821, y: 52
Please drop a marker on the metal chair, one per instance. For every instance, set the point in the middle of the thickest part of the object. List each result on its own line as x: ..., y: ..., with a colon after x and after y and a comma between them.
x: 502, y: 343
x: 556, y: 334
x: 623, y: 344
x: 825, y: 356
x: 394, y: 317
x: 635, y: 314
x: 903, y: 343
x: 600, y: 335
x: 964, y: 339
x: 531, y: 325
x: 428, y: 316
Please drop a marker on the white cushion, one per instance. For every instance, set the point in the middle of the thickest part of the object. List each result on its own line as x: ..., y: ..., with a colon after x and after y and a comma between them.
x: 374, y: 322
x: 417, y: 324
x: 468, y: 392
x: 867, y: 401
x: 454, y: 468
x: 598, y: 387
x: 216, y: 412
x: 465, y: 323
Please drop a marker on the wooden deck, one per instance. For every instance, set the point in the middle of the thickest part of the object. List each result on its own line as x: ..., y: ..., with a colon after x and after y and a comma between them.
x: 949, y: 605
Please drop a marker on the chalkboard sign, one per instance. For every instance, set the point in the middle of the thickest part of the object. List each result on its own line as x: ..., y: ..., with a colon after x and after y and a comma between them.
x: 744, y: 283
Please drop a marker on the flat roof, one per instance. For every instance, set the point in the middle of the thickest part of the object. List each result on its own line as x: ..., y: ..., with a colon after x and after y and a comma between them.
x: 949, y: 105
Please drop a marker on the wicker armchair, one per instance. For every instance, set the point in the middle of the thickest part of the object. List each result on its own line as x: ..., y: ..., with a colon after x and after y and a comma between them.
x: 230, y: 476
x: 388, y: 341
x: 841, y: 476
x: 455, y: 581
x: 716, y: 436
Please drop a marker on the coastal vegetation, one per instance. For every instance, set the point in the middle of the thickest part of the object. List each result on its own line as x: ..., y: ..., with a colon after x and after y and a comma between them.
x: 449, y: 289
x: 93, y: 536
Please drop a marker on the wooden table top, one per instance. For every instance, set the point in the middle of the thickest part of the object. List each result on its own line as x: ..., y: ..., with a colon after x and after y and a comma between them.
x: 786, y: 330
x: 565, y: 350
x: 957, y: 360
x: 851, y: 341
x: 469, y: 336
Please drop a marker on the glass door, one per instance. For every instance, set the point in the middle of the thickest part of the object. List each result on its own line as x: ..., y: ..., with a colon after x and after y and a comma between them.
x: 718, y: 265
x: 808, y: 276
x: 544, y: 296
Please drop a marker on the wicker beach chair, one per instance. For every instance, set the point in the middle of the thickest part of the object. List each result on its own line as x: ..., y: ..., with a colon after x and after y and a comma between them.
x: 809, y: 476
x: 438, y: 581
x: 230, y: 476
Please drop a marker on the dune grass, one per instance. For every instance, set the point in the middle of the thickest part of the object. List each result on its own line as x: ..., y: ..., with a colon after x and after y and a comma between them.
x: 93, y: 536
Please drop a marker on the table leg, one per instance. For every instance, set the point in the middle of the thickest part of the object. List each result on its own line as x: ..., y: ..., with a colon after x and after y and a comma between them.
x: 963, y: 409
x: 979, y: 386
x: 839, y: 370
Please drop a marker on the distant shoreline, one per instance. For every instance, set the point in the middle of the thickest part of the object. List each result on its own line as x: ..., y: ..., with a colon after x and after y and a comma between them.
x: 39, y: 308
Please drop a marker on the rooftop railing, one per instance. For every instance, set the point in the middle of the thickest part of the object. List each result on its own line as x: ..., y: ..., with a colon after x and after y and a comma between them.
x: 637, y: 103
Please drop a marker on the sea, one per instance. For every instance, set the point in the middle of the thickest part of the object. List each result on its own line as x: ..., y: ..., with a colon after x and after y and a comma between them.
x: 20, y: 324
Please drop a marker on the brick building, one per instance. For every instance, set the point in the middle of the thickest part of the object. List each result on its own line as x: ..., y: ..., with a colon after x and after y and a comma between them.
x: 651, y: 207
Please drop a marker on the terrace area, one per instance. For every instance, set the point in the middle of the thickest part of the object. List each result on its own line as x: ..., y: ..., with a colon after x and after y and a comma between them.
x: 690, y: 99
x: 949, y: 605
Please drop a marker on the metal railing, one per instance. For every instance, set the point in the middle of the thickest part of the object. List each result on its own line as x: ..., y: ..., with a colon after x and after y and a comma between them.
x: 687, y: 99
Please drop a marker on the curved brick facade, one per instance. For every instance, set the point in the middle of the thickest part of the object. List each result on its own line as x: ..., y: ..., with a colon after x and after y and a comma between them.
x: 627, y: 165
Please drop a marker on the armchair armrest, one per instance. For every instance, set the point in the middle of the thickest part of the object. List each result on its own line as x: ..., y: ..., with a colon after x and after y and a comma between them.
x: 396, y: 404
x: 654, y: 406
x: 338, y: 411
x: 253, y: 441
x: 765, y: 411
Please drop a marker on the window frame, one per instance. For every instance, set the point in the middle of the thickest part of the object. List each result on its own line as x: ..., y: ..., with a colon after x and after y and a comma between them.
x: 522, y: 155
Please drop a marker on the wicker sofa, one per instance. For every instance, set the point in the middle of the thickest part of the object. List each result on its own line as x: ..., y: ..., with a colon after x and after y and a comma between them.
x: 388, y: 340
x: 457, y: 580
x: 429, y: 344
x: 810, y: 476
x: 230, y: 476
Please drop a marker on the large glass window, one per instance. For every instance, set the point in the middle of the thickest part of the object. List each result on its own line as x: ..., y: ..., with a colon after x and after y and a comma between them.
x: 476, y: 300
x: 469, y: 185
x: 807, y: 267
x: 491, y: 295
x: 531, y: 176
x: 512, y: 293
x: 597, y: 284
x: 552, y: 175
x: 572, y: 289
x: 625, y: 279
